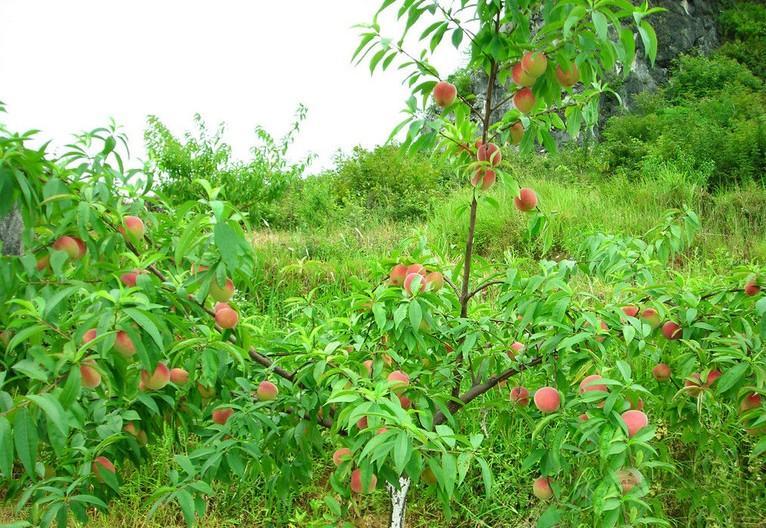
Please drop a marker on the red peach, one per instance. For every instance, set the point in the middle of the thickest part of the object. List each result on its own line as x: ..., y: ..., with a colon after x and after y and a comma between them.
x: 661, y: 372
x: 416, y: 268
x: 634, y: 420
x: 489, y: 152
x: 398, y: 379
x: 524, y: 100
x: 568, y: 78
x: 158, y: 379
x: 435, y: 281
x: 100, y: 465
x: 520, y: 396
x: 357, y: 485
x: 534, y: 63
x: 91, y: 378
x: 541, y: 488
x: 74, y: 247
x: 671, y: 330
x: 221, y: 293
x: 222, y: 415
x: 397, y: 274
x: 89, y: 336
x: 483, y: 178
x: 628, y: 479
x: 712, y: 377
x: 226, y: 318
x: 547, y: 399
x: 410, y: 279
x: 341, y: 455
x: 444, y: 94
x: 520, y: 77
x: 134, y: 227
x: 590, y: 383
x: 526, y: 200
x: 651, y: 317
x: 267, y: 391
x: 516, y: 348
x: 693, y: 385
x: 630, y: 311
x: 752, y: 401
x: 179, y: 376
x: 43, y: 262
x: 517, y: 133
x: 123, y: 345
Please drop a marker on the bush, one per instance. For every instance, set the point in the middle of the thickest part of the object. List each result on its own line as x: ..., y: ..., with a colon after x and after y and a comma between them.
x: 698, y: 77
x: 744, y: 26
x: 711, y: 117
x: 389, y: 183
x: 253, y: 186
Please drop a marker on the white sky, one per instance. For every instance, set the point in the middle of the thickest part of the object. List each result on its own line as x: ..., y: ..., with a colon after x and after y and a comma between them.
x: 68, y: 66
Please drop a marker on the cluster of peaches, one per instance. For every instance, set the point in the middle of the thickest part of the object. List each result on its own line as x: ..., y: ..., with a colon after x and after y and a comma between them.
x: 414, y: 278
x: 133, y: 230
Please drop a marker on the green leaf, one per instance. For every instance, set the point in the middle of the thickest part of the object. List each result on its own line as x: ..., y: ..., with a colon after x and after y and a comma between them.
x: 6, y: 448
x: 416, y: 315
x: 649, y: 38
x: 25, y: 334
x: 629, y: 333
x: 25, y: 439
x: 146, y: 323
x: 600, y: 23
x: 457, y: 37
x: 732, y: 376
x: 72, y: 388
x: 53, y: 410
x: 379, y: 311
x: 486, y: 475
x: 549, y: 518
x: 187, y: 240
x: 57, y: 298
x: 402, y: 452
x: 625, y: 370
x: 230, y: 244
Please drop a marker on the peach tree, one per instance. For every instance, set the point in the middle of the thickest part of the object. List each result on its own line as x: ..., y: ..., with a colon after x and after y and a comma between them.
x: 127, y: 319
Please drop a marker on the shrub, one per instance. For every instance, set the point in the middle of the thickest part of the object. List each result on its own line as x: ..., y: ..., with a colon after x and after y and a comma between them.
x: 253, y: 186
x: 696, y: 77
x: 744, y: 26
x: 711, y: 118
x: 394, y: 185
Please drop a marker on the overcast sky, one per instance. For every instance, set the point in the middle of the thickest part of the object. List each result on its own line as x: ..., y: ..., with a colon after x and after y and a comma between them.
x: 68, y: 66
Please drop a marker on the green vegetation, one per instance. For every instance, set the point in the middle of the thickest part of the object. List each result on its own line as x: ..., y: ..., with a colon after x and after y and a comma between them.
x: 666, y: 213
x: 710, y: 118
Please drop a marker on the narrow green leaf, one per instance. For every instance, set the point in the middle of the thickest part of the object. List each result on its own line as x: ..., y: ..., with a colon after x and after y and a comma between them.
x: 26, y: 439
x: 6, y: 448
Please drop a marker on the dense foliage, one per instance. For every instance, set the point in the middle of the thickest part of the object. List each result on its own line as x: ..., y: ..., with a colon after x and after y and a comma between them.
x: 604, y: 385
x: 253, y: 186
x: 711, y: 116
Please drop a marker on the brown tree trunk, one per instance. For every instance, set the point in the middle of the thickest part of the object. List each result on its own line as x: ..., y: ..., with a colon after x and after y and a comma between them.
x: 11, y: 231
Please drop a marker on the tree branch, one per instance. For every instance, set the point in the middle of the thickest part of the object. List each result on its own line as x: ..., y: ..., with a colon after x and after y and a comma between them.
x: 478, y: 389
x: 485, y: 286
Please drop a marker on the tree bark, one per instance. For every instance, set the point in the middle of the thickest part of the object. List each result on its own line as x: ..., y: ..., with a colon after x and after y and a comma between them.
x: 11, y: 231
x: 398, y: 502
